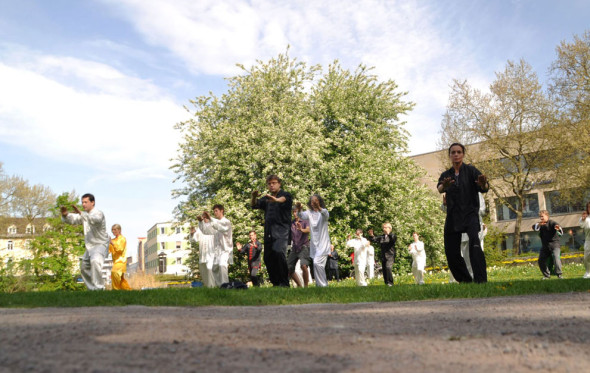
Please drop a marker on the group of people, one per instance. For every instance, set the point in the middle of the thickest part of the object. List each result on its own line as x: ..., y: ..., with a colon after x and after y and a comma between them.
x: 98, y: 245
x: 305, y: 232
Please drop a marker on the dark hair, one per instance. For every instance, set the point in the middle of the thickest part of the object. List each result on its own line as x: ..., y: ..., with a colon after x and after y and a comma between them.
x: 457, y: 144
x: 274, y: 177
x: 587, y: 207
x: 89, y: 196
x: 219, y: 207
x: 320, y: 199
x: 252, y: 231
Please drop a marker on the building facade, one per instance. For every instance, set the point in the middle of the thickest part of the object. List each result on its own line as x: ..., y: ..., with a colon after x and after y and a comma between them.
x: 167, y: 248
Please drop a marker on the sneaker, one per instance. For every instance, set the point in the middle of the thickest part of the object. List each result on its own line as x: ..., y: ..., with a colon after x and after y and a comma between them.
x: 586, y: 275
x: 559, y: 276
x: 545, y: 278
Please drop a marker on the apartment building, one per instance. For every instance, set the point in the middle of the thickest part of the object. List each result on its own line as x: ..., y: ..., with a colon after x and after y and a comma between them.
x: 167, y: 248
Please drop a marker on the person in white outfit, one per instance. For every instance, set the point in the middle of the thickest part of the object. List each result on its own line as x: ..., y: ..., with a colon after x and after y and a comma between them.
x: 370, y: 261
x: 416, y: 249
x: 206, y: 255
x: 585, y: 225
x: 319, y: 247
x: 96, y: 240
x: 220, y: 227
x: 359, y: 244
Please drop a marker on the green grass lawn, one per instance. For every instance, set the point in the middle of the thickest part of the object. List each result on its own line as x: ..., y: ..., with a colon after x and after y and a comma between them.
x: 507, y: 280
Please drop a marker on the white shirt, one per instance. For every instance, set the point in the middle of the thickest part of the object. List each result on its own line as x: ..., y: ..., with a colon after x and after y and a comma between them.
x: 360, y: 248
x: 417, y: 251
x: 206, y: 246
x: 221, y: 229
x: 319, y: 240
x: 95, y: 229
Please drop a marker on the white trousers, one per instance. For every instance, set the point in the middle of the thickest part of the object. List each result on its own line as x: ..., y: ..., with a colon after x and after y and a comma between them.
x: 319, y: 270
x: 587, y: 258
x: 91, y: 269
x: 206, y: 271
x: 359, y: 273
x: 371, y: 262
x: 220, y: 269
x: 418, y: 270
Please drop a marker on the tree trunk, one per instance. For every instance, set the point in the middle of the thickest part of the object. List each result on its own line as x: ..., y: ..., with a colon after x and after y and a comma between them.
x: 516, y: 244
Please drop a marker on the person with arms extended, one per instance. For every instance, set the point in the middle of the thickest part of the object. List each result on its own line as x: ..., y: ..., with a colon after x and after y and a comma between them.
x: 221, y: 229
x: 386, y: 242
x: 359, y: 244
x: 277, y: 205
x: 118, y: 250
x: 585, y: 225
x: 320, y: 244
x: 253, y: 248
x: 96, y: 240
x: 416, y: 249
x: 206, y: 255
x: 299, y: 249
x: 462, y: 183
x: 550, y: 232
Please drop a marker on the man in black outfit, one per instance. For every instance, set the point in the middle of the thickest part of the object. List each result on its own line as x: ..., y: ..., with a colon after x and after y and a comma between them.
x: 461, y: 183
x: 277, y: 207
x: 550, y: 232
x: 386, y: 242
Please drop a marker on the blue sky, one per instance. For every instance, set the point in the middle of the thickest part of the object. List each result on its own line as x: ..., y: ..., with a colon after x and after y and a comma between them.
x: 90, y: 90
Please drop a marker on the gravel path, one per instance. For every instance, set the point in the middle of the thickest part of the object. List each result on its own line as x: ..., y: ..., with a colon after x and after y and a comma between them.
x: 539, y: 333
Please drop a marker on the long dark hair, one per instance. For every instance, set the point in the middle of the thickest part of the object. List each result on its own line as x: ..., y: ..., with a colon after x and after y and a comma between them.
x: 320, y: 199
x: 588, y: 208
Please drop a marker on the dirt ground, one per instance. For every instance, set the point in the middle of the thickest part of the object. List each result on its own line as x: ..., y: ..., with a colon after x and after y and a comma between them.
x: 540, y: 333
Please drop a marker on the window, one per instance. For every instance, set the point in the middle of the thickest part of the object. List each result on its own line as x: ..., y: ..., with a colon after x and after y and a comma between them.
x: 30, y: 229
x: 163, y: 245
x: 12, y: 229
x: 162, y: 230
x: 558, y: 205
x: 178, y: 260
x: 178, y: 230
x: 9, y: 245
x: 529, y: 210
x: 178, y: 245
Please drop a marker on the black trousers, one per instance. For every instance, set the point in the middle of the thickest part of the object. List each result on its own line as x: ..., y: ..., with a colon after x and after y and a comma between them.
x: 276, y: 263
x: 387, y: 261
x: 254, y: 275
x: 455, y: 260
x: 333, y: 273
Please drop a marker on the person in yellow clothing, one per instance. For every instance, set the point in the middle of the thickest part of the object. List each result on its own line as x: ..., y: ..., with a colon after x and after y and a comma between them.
x: 118, y: 249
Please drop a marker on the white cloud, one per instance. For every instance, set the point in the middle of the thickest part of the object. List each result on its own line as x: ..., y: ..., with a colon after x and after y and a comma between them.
x: 88, y: 113
x: 401, y: 39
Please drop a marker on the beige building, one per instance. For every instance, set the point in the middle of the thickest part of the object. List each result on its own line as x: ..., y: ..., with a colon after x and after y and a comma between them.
x: 15, y: 236
x: 539, y: 197
x: 167, y: 249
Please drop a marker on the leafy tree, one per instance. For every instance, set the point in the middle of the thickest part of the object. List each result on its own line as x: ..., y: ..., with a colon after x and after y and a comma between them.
x: 56, y: 251
x: 570, y: 88
x: 9, y: 186
x: 337, y: 133
x: 32, y: 201
x: 513, y: 126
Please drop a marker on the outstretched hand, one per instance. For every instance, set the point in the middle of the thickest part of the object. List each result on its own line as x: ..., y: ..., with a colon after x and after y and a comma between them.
x: 239, y: 245
x: 255, y: 194
x: 447, y: 182
x: 64, y: 210
x: 482, y: 180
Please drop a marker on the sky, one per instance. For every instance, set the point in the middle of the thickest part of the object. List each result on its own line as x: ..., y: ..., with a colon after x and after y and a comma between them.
x: 90, y: 90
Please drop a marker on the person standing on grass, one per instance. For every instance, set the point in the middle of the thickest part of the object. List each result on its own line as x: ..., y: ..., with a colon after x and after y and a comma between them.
x: 416, y: 249
x: 253, y: 248
x: 386, y: 242
x: 206, y: 255
x: 370, y: 262
x: 118, y: 250
x: 320, y: 244
x: 585, y: 225
x: 221, y: 229
x: 277, y: 206
x: 462, y: 183
x: 96, y: 240
x: 550, y: 232
x: 299, y: 250
x: 359, y: 244
x: 332, y: 266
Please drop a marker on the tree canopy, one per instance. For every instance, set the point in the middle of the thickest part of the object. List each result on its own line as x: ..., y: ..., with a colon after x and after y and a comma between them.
x: 337, y: 132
